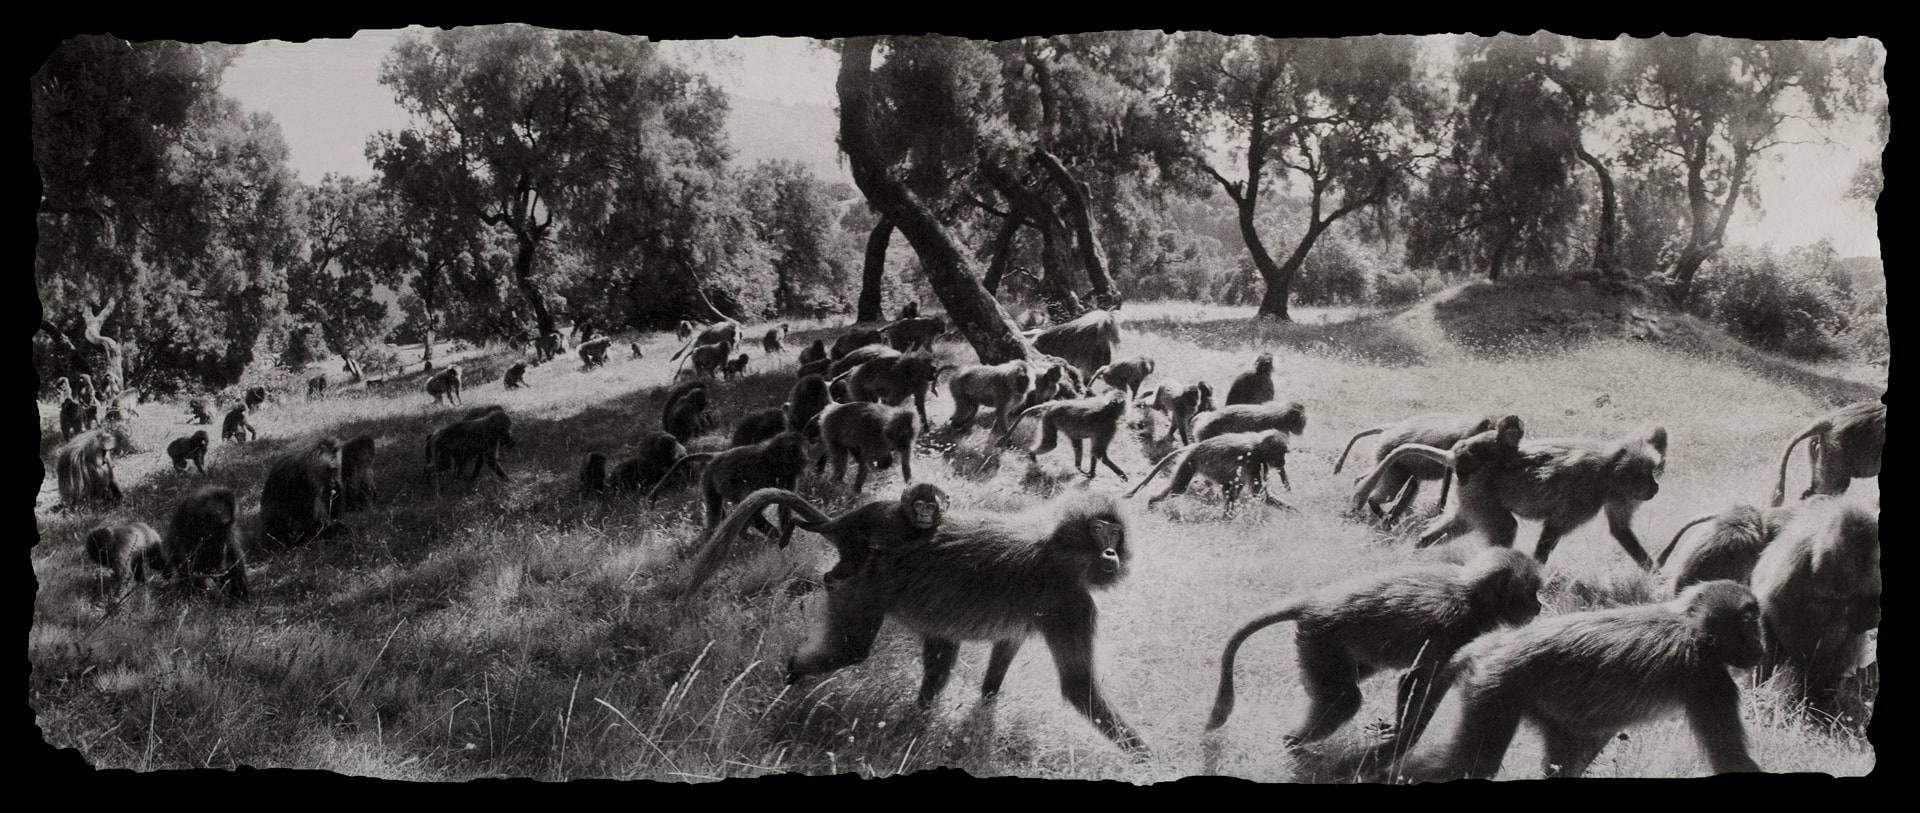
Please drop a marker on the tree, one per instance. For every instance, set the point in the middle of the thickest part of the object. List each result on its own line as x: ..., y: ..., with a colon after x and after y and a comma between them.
x: 1714, y: 107
x: 333, y: 289
x: 793, y: 217
x: 544, y: 128
x: 1340, y: 118
x: 1505, y: 187
x: 968, y: 306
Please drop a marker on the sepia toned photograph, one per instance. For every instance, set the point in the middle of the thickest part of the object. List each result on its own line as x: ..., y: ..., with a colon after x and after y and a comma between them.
x: 447, y: 404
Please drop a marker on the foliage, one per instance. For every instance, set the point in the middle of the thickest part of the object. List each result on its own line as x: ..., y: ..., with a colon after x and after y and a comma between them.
x: 1784, y: 302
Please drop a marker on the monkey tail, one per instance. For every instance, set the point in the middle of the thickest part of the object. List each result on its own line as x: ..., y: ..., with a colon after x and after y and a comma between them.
x: 1158, y: 467
x: 668, y: 477
x: 691, y: 338
x: 1223, y: 697
x: 1404, y: 451
x: 1356, y: 439
x: 720, y: 540
x: 1780, y: 486
x: 1660, y: 560
x: 1015, y: 423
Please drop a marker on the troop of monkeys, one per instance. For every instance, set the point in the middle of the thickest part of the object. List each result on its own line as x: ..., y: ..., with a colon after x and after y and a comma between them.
x: 1812, y: 568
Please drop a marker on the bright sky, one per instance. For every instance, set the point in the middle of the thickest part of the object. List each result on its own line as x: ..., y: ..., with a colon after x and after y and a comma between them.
x: 327, y: 98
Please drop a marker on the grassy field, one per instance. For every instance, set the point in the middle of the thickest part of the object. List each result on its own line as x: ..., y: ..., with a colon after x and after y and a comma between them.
x: 526, y: 628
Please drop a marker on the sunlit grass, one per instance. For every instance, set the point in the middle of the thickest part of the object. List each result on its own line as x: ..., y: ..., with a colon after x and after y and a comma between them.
x: 524, y: 628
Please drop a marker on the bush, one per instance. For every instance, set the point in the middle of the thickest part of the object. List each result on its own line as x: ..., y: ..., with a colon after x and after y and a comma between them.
x: 1787, y: 304
x: 1398, y: 288
x: 1335, y: 273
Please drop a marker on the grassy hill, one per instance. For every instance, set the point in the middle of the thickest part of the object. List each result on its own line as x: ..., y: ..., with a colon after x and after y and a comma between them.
x: 526, y: 628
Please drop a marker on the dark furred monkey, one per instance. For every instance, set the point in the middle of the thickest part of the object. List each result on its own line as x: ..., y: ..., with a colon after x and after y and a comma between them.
x: 1582, y: 678
x: 236, y: 428
x: 297, y: 503
x: 985, y: 578
x: 872, y: 434
x: 190, y: 449
x: 1094, y: 419
x: 1254, y: 386
x: 203, y: 546
x: 1841, y: 446
x: 1412, y: 617
x: 132, y: 550
x: 1233, y: 461
x: 733, y: 474
x: 1563, y: 482
x: 84, y: 468
x: 1819, y: 586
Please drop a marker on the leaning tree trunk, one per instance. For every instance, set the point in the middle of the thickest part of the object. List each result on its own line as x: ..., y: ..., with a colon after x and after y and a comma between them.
x: 523, y: 278
x: 1605, y: 247
x: 1056, y: 263
x: 1709, y: 227
x: 1079, y: 213
x: 873, y: 273
x: 1002, y: 252
x: 969, y: 308
x: 114, y: 373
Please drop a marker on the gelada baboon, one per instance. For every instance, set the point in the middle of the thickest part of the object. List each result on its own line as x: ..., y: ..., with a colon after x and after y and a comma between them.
x: 132, y: 550
x: 236, y: 428
x: 808, y: 396
x: 837, y: 391
x: 760, y: 425
x: 893, y: 379
x: 1126, y: 375
x: 1048, y: 383
x: 255, y: 396
x: 654, y: 456
x: 203, y: 545
x: 914, y: 333
x: 1727, y: 548
x: 1819, y: 589
x: 983, y: 578
x: 192, y: 448
x: 814, y: 352
x: 1563, y: 482
x: 445, y: 385
x: 737, y: 366
x: 636, y: 351
x: 1584, y: 677
x: 1086, y: 342
x: 677, y: 392
x: 317, y: 387
x: 475, y: 441
x: 731, y: 475
x: 62, y: 390
x: 853, y: 340
x: 683, y: 330
x: 725, y: 333
x: 770, y: 343
x: 1841, y: 446
x: 686, y: 414
x: 856, y: 534
x: 516, y: 375
x: 710, y: 359
x: 1000, y: 386
x: 857, y: 356
x: 1094, y: 419
x: 198, y: 412
x: 357, y: 488
x: 1441, y: 430
x: 1254, y: 386
x: 910, y: 311
x: 1413, y: 617
x: 84, y: 467
x: 1289, y: 417
x: 1182, y: 404
x: 73, y: 419
x: 1230, y: 460
x: 83, y: 388
x: 297, y: 502
x: 548, y: 347
x: 594, y: 353
x: 872, y: 434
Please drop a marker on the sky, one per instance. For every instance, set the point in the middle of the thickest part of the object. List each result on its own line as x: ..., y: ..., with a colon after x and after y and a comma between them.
x: 326, y: 96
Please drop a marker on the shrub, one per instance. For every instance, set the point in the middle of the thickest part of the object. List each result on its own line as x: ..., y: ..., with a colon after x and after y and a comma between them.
x: 1334, y: 273
x: 1787, y: 304
x: 1398, y: 288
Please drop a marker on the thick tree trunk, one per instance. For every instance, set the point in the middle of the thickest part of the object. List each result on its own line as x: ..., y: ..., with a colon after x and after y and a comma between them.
x: 1002, y: 253
x: 1056, y: 262
x: 1079, y: 213
x: 1605, y: 246
x: 969, y: 308
x: 873, y: 273
x: 1709, y: 226
x: 1278, y: 280
x: 114, y: 375
x: 1498, y: 261
x: 523, y: 279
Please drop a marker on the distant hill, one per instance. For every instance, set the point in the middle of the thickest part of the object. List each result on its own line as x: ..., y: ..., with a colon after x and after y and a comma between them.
x: 798, y: 132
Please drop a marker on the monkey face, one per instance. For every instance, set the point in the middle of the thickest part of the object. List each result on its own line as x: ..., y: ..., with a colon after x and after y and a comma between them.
x: 1728, y: 617
x: 1109, y: 563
